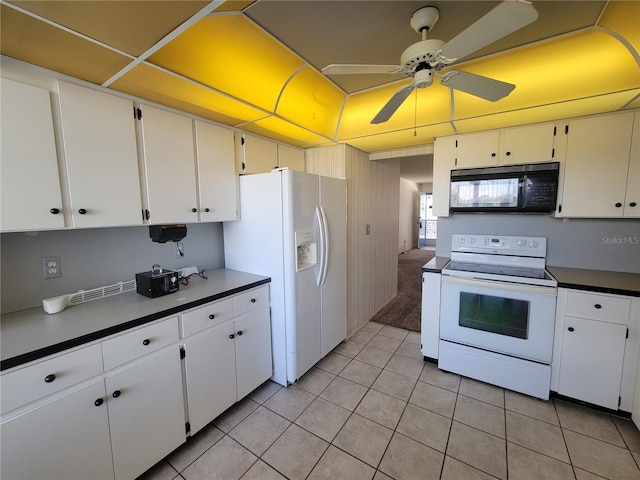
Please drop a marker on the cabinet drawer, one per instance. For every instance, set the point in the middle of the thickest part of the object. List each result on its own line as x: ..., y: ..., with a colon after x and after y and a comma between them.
x: 602, y: 307
x: 135, y: 344
x: 49, y: 376
x: 250, y: 300
x: 205, y: 317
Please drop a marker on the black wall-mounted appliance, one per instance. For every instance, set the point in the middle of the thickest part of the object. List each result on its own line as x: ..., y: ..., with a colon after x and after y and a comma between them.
x: 167, y: 233
x: 527, y: 188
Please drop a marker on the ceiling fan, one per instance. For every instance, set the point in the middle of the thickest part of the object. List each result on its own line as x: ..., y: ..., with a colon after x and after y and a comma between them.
x: 426, y: 58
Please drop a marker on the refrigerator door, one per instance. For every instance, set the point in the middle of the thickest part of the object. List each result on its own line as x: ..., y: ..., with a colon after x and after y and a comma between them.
x: 302, y: 292
x: 333, y: 202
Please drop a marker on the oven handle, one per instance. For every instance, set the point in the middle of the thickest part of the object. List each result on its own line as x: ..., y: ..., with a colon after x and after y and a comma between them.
x: 514, y: 287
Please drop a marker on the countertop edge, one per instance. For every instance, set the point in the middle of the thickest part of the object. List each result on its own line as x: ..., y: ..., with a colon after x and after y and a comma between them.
x: 136, y: 322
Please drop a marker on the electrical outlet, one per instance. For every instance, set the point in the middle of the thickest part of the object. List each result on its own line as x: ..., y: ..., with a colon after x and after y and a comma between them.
x: 52, y: 267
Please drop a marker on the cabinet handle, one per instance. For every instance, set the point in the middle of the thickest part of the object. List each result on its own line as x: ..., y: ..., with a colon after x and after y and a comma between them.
x: 598, y: 306
x: 194, y: 210
x: 55, y: 211
x: 508, y: 153
x: 116, y: 394
x: 253, y: 300
x: 239, y: 332
x: 207, y: 210
x: 232, y: 336
x: 49, y: 378
x: 212, y: 316
x: 98, y: 402
x: 570, y: 329
x: 146, y: 342
x: 493, y: 154
x: 632, y: 204
x: 82, y: 211
x: 618, y: 205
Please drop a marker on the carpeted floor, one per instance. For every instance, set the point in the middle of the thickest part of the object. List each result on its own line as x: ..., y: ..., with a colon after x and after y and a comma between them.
x: 403, y: 310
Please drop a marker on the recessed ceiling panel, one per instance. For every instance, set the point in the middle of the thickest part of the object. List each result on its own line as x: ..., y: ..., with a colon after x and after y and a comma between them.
x: 231, y: 54
x: 623, y: 18
x: 148, y: 82
x: 283, y: 131
x: 402, y: 138
x: 311, y: 102
x: 32, y: 41
x: 129, y: 26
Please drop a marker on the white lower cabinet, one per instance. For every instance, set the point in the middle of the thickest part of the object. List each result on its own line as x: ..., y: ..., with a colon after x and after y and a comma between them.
x: 67, y: 438
x: 225, y: 363
x: 146, y: 413
x: 430, y: 314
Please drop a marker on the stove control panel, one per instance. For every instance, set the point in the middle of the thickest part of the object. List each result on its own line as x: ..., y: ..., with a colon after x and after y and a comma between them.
x: 500, y: 244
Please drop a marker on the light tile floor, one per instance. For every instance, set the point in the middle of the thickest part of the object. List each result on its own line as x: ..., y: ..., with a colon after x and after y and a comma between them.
x: 374, y: 409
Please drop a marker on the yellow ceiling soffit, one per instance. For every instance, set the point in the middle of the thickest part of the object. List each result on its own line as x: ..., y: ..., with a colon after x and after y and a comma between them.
x: 232, y: 55
x: 402, y: 138
x: 430, y: 107
x: 286, y: 132
x: 311, y: 101
x: 32, y: 41
x: 148, y: 82
x: 583, y: 65
x: 131, y: 27
x: 539, y: 114
x: 623, y: 18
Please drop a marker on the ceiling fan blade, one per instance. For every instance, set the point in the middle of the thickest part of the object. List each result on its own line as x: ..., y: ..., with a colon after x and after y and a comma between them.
x: 350, y: 68
x: 506, y: 18
x: 477, y: 85
x: 393, y: 104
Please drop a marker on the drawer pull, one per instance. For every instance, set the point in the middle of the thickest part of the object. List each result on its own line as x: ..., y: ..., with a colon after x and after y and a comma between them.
x: 239, y: 332
x: 116, y: 394
x: 253, y: 300
x: 570, y: 329
x: 212, y: 316
x: 146, y: 342
x: 598, y: 306
x: 618, y: 205
x: 49, y: 378
x: 232, y: 336
x: 98, y: 402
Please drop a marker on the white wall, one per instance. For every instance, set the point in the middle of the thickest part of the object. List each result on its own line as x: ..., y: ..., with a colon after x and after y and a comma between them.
x: 408, y: 215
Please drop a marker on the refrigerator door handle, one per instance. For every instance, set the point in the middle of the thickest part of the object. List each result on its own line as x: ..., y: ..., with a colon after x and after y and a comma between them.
x: 325, y: 245
x: 321, y: 260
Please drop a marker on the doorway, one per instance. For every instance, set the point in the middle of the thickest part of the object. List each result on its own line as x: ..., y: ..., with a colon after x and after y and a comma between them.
x: 428, y: 230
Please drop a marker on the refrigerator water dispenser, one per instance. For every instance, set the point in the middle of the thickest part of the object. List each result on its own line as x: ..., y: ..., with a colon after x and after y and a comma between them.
x: 306, y: 250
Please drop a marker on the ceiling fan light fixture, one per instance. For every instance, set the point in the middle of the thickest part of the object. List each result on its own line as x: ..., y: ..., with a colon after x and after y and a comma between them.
x: 423, y: 78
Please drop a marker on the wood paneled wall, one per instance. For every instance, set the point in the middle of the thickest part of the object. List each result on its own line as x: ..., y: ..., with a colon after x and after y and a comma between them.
x: 373, y: 191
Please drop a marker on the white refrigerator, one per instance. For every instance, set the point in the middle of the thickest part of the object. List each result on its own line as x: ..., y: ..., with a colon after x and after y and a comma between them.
x: 293, y: 228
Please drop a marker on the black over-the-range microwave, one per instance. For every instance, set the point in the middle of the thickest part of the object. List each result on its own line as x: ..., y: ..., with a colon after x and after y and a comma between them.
x: 531, y: 188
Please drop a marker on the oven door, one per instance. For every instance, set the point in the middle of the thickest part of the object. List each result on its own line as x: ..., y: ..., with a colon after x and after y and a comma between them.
x: 508, y: 318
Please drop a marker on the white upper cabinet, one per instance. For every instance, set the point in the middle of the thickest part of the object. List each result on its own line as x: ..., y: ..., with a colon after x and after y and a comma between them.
x: 444, y: 158
x: 98, y: 133
x: 255, y: 154
x: 217, y: 177
x: 528, y: 144
x: 169, y: 162
x: 291, y: 158
x: 597, y: 168
x: 477, y: 149
x: 632, y: 195
x: 30, y: 184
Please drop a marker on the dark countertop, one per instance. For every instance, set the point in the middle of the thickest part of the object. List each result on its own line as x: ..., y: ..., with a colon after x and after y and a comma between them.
x: 435, y: 265
x: 32, y: 334
x: 619, y: 283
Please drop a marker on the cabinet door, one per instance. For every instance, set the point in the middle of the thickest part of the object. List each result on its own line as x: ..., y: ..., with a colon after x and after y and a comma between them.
x: 430, y: 314
x: 169, y: 160
x: 67, y: 438
x: 292, y: 158
x: 30, y: 185
x: 478, y: 149
x: 632, y: 197
x: 444, y: 157
x: 596, y: 166
x: 258, y: 155
x: 253, y: 350
x: 591, y: 363
x: 146, y: 413
x: 98, y: 132
x: 217, y: 178
x: 528, y: 144
x: 210, y: 374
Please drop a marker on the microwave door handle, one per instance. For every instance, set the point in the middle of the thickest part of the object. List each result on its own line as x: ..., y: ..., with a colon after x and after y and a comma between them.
x: 522, y: 191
